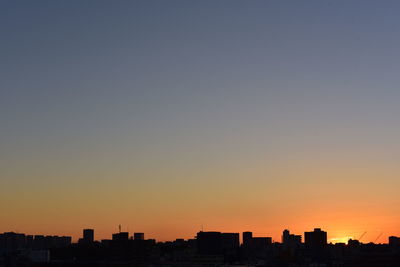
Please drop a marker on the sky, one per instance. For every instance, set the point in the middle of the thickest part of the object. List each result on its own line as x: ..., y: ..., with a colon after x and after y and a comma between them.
x: 169, y: 117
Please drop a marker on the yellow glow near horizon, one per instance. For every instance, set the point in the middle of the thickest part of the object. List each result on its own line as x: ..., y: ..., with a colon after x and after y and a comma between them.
x: 344, y: 239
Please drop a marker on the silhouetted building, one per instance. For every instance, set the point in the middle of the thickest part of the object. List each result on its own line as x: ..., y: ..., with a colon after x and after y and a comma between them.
x: 394, y: 241
x: 138, y: 236
x: 29, y: 241
x: 258, y: 242
x: 12, y: 241
x: 39, y: 256
x: 317, y: 238
x: 56, y: 241
x: 38, y: 242
x: 88, y: 236
x: 353, y: 243
x: 285, y: 236
x: 49, y: 241
x: 290, y: 240
x: 106, y: 242
x: 209, y: 243
x: 247, y: 237
x: 255, y: 247
x: 213, y: 249
x: 65, y: 241
x: 250, y: 241
x: 230, y: 241
x: 120, y: 236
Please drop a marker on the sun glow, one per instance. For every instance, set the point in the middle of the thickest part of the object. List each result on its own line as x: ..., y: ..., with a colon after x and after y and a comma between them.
x: 344, y: 239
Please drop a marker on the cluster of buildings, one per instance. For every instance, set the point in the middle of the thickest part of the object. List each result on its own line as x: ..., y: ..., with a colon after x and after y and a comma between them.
x: 33, y: 248
x: 120, y: 237
x: 215, y: 242
x: 206, y: 249
x: 13, y: 241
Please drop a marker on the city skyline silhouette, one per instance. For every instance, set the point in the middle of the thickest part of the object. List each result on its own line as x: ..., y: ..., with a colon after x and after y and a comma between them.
x: 207, y: 248
x: 176, y: 117
x: 381, y: 237
x: 89, y: 234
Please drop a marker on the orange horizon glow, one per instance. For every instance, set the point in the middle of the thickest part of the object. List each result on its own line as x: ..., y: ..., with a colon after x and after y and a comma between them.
x: 162, y: 234
x: 298, y: 200
x: 172, y: 118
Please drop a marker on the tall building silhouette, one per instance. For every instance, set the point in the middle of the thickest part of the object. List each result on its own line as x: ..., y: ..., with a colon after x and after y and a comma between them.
x: 209, y: 242
x: 317, y: 238
x: 230, y: 241
x: 121, y: 236
x: 290, y: 240
x: 394, y: 241
x: 88, y: 235
x: 208, y: 249
x: 247, y: 237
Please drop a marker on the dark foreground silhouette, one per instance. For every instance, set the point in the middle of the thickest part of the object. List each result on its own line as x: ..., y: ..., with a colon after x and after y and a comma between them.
x: 206, y: 249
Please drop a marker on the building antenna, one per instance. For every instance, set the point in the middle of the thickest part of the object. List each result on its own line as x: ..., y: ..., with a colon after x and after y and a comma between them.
x: 119, y: 227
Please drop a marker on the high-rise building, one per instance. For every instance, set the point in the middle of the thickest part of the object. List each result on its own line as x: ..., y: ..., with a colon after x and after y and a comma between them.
x: 247, y: 237
x: 230, y: 241
x: 11, y: 241
x: 317, y: 238
x: 285, y: 236
x: 209, y: 243
x: 394, y: 241
x: 120, y: 236
x: 88, y: 235
x: 290, y: 240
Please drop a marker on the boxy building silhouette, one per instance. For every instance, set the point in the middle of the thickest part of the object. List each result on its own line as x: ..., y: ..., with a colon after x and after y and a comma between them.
x: 316, y: 238
x: 88, y: 235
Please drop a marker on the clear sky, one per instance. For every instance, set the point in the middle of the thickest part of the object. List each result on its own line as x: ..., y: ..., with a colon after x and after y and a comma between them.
x: 166, y: 116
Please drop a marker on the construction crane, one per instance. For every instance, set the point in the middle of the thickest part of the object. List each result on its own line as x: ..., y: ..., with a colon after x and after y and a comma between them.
x: 378, y: 237
x: 362, y: 235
